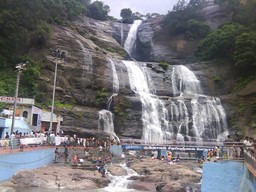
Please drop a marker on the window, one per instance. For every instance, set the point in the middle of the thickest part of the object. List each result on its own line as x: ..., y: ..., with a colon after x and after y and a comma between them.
x: 25, y: 114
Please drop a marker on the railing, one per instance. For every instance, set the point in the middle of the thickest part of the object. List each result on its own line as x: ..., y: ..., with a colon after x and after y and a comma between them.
x: 12, y: 145
x: 250, y: 160
x: 225, y: 147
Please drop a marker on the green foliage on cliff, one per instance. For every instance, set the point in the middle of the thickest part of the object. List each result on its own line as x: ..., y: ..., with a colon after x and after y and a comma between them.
x: 164, y: 65
x: 126, y: 15
x: 236, y: 41
x: 101, y: 97
x: 220, y: 43
x: 25, y: 24
x: 121, y: 107
x: 186, y: 20
x: 98, y: 10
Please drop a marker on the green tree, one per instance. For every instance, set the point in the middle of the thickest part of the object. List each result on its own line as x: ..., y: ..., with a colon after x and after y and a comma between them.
x: 127, y: 16
x: 97, y: 10
x: 197, y: 3
x: 180, y: 5
x: 185, y: 18
x: 245, y: 46
x: 196, y: 29
x: 220, y: 43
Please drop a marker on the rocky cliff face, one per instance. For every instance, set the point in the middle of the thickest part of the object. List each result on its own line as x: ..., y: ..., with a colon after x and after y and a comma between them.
x: 85, y: 75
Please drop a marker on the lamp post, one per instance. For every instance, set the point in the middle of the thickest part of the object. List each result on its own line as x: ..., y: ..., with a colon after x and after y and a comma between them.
x: 57, y: 54
x: 53, y: 95
x: 20, y: 67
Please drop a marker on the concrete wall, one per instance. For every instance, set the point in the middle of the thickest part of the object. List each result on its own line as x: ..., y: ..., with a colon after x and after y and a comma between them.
x: 12, y: 163
x: 227, y: 176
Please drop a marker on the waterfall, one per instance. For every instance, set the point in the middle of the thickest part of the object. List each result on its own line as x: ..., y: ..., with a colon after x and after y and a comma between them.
x: 121, y: 183
x: 184, y: 81
x: 131, y: 38
x: 153, y: 111
x: 194, y: 115
x: 106, y: 124
x: 87, y: 57
x: 115, y: 83
x: 209, y: 119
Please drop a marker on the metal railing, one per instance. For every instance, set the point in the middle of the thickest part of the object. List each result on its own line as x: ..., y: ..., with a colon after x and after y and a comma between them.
x: 250, y: 159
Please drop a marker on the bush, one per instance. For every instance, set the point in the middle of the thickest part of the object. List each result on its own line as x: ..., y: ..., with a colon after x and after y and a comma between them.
x: 245, y: 46
x: 220, y: 43
x: 164, y: 65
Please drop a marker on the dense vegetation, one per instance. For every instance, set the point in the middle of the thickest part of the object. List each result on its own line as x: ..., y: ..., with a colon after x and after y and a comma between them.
x: 26, y: 24
x: 185, y: 19
x: 234, y: 41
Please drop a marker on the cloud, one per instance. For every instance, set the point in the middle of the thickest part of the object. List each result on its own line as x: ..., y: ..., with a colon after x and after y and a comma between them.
x: 141, y: 6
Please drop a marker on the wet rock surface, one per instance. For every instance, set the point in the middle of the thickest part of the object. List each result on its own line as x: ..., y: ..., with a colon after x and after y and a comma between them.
x: 166, y: 177
x: 154, y: 175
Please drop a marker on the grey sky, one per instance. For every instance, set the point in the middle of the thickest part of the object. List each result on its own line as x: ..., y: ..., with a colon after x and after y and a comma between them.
x: 141, y: 6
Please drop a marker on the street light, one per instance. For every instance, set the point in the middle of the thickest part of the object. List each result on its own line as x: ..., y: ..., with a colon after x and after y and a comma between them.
x: 20, y: 67
x: 58, y: 54
x: 53, y: 95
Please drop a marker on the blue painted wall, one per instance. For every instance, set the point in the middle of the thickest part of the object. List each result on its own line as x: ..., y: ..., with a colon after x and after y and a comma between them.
x: 12, y: 163
x: 227, y: 176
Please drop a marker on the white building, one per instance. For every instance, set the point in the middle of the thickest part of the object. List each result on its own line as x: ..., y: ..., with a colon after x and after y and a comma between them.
x: 27, y: 117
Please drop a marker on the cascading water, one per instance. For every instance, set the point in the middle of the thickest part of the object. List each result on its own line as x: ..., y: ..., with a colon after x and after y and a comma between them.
x: 105, y: 116
x: 106, y: 124
x: 152, y: 108
x: 121, y: 183
x: 184, y: 81
x: 87, y: 57
x: 115, y: 83
x: 194, y: 115
x: 131, y: 38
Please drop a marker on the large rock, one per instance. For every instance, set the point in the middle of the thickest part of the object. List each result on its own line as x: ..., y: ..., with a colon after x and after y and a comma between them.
x: 116, y: 170
x: 164, y: 176
x: 58, y: 177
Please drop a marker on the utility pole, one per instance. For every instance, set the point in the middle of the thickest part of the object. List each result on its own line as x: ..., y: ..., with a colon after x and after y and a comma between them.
x: 53, y: 94
x: 57, y: 54
x: 20, y: 67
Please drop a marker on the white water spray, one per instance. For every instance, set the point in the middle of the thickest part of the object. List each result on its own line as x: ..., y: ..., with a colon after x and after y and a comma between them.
x: 152, y: 108
x: 131, y: 38
x: 106, y: 124
x: 121, y: 183
x: 87, y: 57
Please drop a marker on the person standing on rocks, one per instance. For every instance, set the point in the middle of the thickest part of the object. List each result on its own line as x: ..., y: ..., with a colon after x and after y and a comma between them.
x: 56, y: 155
x: 66, y: 153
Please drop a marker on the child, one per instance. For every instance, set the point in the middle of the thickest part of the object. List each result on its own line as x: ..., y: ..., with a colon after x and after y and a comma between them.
x: 75, y: 159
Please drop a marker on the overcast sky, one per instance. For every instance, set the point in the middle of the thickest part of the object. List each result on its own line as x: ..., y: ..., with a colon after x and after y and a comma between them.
x: 141, y: 6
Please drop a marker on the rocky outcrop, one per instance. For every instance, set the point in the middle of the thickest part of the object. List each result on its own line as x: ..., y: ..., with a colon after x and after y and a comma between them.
x: 166, y: 177
x: 155, y: 44
x: 154, y: 175
x: 215, y: 15
x: 58, y: 177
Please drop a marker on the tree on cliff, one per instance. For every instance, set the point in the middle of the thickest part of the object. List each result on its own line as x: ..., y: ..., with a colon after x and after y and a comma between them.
x: 185, y: 19
x: 99, y: 11
x: 126, y: 15
x: 234, y: 41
